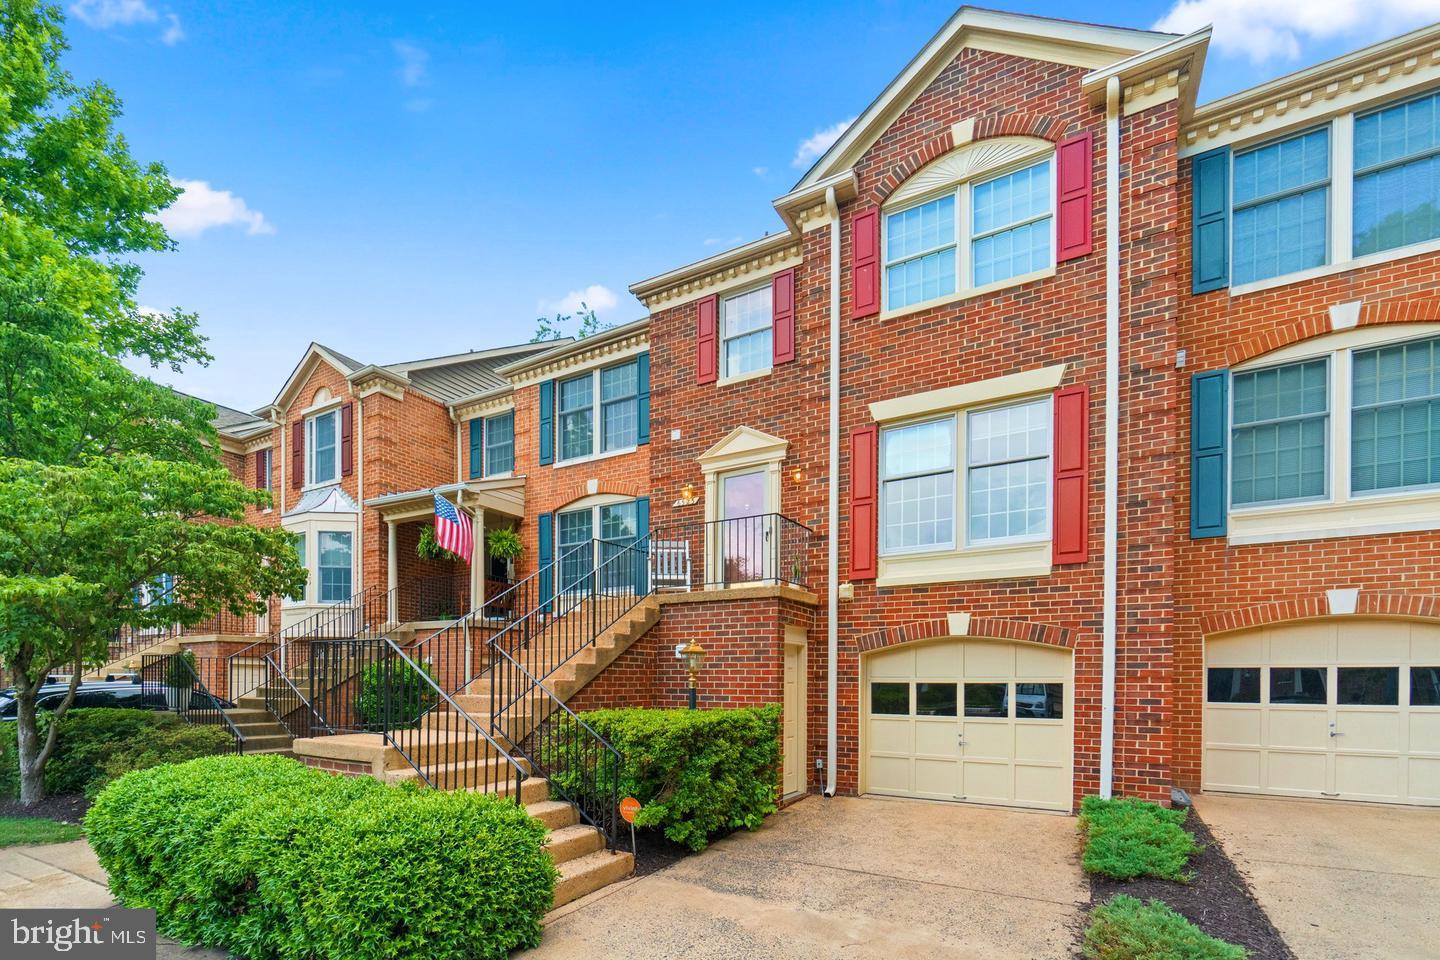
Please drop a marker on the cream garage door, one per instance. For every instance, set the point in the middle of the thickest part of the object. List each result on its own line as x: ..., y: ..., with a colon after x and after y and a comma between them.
x: 1342, y: 709
x: 986, y: 721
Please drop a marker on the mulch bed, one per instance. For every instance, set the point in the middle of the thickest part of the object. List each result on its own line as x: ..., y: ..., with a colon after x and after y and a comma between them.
x: 1218, y: 900
x: 66, y: 809
x: 653, y: 852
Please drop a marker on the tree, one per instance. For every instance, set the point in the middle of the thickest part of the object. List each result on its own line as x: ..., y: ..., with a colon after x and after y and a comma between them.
x: 106, y: 478
x: 547, y: 328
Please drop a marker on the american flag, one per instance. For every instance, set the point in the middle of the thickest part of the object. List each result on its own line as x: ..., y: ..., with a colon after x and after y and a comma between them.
x: 452, y: 528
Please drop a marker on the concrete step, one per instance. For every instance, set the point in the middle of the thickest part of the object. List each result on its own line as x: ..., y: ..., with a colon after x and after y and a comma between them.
x: 271, y: 741
x: 589, y: 873
x: 573, y: 842
x: 485, y: 770
x: 553, y: 813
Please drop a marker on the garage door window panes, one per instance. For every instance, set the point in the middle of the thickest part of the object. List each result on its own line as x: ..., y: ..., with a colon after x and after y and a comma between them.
x: 1368, y: 686
x: 1297, y: 685
x: 1040, y: 701
x: 890, y: 699
x: 1396, y: 421
x: 987, y: 700
x: 1425, y: 686
x: 935, y: 699
x: 1232, y: 685
x: 1280, y: 423
x: 919, y: 486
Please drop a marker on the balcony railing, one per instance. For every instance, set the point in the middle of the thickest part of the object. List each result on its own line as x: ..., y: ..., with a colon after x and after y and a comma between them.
x: 740, y: 551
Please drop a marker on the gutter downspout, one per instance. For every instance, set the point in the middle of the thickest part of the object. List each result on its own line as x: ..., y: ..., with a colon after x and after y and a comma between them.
x: 1112, y: 429
x: 832, y: 592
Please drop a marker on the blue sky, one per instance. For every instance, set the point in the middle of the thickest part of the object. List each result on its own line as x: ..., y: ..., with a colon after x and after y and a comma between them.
x: 401, y: 183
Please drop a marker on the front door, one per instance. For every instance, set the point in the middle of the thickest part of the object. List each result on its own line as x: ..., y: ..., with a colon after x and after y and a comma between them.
x: 793, y: 734
x: 743, y: 533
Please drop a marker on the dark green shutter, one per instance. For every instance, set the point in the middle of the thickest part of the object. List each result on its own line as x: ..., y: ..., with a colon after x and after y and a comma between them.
x: 642, y: 377
x: 545, y: 527
x: 477, y: 448
x: 640, y: 556
x: 547, y: 421
x: 1209, y: 443
x: 1210, y: 216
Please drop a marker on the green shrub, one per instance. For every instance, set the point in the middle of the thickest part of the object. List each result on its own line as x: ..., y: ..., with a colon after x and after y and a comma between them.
x: 1127, y: 838
x: 1126, y: 929
x: 98, y: 744
x: 410, y: 695
x: 697, y: 773
x: 267, y: 858
x: 180, y: 670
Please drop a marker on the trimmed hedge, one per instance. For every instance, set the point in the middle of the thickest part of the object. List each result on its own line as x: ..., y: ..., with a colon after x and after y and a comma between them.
x: 99, y: 744
x: 268, y: 858
x: 1126, y: 929
x: 697, y: 773
x: 1127, y: 838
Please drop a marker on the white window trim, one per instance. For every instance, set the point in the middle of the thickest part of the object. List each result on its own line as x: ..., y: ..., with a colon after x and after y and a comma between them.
x: 963, y: 241
x: 1340, y: 256
x: 1334, y: 249
x: 344, y: 533
x: 1333, y: 389
x: 485, y: 445
x: 312, y: 525
x: 1342, y: 512
x: 758, y: 372
x: 592, y: 505
x: 310, y: 418
x: 966, y: 559
x: 596, y: 424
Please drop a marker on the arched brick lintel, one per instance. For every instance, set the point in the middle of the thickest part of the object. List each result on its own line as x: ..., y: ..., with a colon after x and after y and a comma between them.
x: 1013, y: 124
x: 986, y: 628
x: 1411, y: 309
x: 1371, y: 603
x: 581, y: 489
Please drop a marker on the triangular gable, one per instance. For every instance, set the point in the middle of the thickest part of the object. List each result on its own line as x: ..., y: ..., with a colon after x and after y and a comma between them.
x: 1056, y: 41
x: 743, y: 446
x: 315, y: 355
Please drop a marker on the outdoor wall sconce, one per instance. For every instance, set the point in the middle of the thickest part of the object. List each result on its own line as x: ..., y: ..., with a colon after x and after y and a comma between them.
x: 687, y: 496
x: 797, y: 474
x: 694, y: 656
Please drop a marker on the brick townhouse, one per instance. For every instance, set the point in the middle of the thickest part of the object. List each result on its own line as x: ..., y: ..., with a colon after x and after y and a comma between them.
x: 1069, y: 437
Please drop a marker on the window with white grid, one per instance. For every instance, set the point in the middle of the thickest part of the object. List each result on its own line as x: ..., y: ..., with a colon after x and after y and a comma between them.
x: 1008, y: 476
x: 918, y: 486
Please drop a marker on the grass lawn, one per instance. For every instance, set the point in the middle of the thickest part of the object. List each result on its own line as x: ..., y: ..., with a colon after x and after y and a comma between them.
x: 15, y: 831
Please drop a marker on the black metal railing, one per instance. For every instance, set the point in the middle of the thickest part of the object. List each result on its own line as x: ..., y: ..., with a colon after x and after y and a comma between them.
x: 151, y: 627
x: 714, y: 554
x: 445, y: 746
x: 288, y: 699
x: 172, y: 681
x: 346, y: 677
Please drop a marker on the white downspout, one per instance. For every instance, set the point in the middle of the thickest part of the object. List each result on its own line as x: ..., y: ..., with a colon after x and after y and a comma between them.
x: 1112, y: 429
x: 832, y: 591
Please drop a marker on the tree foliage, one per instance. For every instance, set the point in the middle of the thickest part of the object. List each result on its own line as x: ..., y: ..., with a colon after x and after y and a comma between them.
x: 586, y: 323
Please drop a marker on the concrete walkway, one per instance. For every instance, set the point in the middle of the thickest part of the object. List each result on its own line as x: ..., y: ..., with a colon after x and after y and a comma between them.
x: 1340, y: 881
x: 863, y: 878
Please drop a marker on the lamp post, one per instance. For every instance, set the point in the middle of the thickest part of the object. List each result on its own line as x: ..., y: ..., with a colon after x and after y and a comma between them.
x: 694, y: 656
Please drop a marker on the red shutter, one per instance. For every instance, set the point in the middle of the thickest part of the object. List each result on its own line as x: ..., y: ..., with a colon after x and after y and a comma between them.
x: 707, y: 340
x: 262, y: 469
x: 297, y: 454
x: 1075, y: 180
x: 347, y: 439
x: 864, y: 263
x: 864, y: 502
x: 782, y: 296
x: 1071, y: 542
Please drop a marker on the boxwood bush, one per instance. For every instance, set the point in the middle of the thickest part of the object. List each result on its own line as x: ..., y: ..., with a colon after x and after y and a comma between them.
x: 1126, y: 929
x: 99, y: 744
x: 697, y: 773
x: 270, y: 859
x: 1127, y: 838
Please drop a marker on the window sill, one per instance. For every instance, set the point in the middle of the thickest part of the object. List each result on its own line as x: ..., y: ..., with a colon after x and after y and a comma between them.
x: 576, y: 461
x: 744, y: 377
x: 1004, y: 562
x: 1330, y: 269
x: 1369, y: 515
x: 969, y: 294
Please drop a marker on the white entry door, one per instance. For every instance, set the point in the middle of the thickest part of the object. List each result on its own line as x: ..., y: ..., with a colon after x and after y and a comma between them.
x: 985, y: 721
x: 1345, y: 710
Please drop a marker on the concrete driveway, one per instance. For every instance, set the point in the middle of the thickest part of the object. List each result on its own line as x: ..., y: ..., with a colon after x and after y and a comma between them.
x: 864, y: 878
x: 1339, y: 881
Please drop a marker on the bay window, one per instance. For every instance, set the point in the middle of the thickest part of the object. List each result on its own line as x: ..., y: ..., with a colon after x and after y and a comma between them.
x: 334, y: 566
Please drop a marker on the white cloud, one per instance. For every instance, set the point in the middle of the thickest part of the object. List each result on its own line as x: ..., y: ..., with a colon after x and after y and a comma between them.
x: 414, y: 62
x: 202, y: 207
x: 817, y: 143
x: 174, y: 33
x: 597, y: 297
x: 104, y: 14
x: 759, y: 171
x: 1276, y: 29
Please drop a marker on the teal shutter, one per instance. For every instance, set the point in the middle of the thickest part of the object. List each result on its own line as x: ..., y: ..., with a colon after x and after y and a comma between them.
x: 545, y: 527
x: 1209, y: 443
x: 547, y: 421
x: 1210, y: 216
x: 477, y: 448
x: 642, y: 403
x: 640, y: 556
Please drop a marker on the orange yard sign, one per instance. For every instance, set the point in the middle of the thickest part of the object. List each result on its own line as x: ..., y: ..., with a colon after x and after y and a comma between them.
x: 628, y: 808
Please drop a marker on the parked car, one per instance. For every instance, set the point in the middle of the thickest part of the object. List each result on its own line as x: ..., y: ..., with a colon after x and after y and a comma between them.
x: 107, y: 693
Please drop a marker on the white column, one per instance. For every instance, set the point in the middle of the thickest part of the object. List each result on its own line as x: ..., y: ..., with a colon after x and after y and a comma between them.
x: 477, y: 559
x: 392, y: 573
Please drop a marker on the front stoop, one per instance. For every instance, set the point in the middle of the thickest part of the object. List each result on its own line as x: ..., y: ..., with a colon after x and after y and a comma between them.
x: 577, y: 849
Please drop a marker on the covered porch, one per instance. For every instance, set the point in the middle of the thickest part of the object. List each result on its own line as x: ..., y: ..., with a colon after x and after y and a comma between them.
x: 436, y: 588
